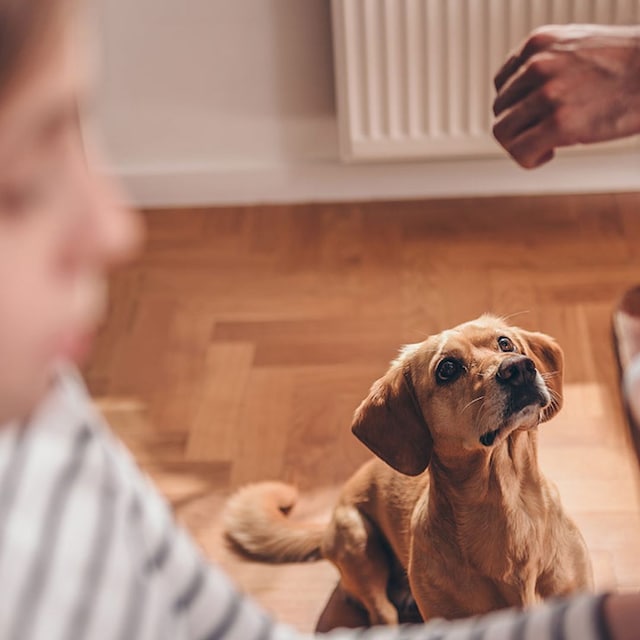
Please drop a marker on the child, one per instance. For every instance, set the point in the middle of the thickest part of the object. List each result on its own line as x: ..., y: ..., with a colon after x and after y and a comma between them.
x: 88, y: 549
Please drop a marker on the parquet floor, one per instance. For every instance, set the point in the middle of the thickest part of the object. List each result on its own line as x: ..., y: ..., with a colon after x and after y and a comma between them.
x: 239, y: 344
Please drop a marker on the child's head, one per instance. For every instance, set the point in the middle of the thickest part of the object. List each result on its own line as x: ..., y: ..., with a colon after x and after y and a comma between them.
x: 60, y: 226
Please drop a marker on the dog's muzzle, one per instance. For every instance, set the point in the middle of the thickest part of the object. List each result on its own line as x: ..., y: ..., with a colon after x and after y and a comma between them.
x: 518, y: 375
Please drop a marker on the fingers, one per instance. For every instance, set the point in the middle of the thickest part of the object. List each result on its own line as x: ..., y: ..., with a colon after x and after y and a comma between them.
x: 526, y: 103
x: 527, y: 79
x: 546, y: 157
x: 535, y: 145
x: 539, y: 41
x: 506, y: 71
x: 529, y: 111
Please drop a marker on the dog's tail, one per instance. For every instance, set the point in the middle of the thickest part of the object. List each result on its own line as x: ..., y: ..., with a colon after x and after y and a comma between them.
x: 256, y: 520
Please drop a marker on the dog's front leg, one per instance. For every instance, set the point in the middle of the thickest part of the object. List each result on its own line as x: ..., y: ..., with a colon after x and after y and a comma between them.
x: 357, y: 548
x: 568, y: 565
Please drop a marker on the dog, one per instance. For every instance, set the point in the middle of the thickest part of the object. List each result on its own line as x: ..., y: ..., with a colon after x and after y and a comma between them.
x: 455, y: 496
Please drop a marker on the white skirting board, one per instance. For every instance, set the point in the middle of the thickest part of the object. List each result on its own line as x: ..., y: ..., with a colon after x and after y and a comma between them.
x: 331, y: 181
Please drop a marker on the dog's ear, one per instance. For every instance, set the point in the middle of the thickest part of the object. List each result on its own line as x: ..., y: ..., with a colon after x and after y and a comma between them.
x: 390, y: 422
x: 549, y: 360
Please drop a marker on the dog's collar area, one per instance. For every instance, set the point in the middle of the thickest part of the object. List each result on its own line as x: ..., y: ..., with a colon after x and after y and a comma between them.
x: 487, y: 439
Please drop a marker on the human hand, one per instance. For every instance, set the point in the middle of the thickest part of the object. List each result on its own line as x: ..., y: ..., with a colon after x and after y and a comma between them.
x: 622, y: 615
x: 567, y: 85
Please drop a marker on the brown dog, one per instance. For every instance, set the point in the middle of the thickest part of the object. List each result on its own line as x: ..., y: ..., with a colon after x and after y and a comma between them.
x: 460, y: 504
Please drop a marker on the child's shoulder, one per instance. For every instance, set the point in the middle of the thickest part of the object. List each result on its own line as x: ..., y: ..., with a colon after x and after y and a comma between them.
x: 80, y: 524
x: 67, y: 440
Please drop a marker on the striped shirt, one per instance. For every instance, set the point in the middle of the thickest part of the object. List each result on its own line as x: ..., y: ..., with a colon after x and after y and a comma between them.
x: 89, y: 550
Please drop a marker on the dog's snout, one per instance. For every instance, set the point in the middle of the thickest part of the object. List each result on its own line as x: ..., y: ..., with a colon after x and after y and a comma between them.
x: 516, y: 371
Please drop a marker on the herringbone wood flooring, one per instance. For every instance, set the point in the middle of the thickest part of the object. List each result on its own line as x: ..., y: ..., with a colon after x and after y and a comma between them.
x: 238, y: 346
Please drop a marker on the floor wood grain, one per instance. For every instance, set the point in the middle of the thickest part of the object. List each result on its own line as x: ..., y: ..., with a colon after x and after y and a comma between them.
x: 238, y: 346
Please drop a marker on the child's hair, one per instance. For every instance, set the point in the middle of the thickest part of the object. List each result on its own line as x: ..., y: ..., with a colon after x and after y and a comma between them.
x: 25, y: 27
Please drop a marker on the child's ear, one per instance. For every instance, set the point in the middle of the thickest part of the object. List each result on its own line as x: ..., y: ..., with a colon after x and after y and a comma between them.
x: 549, y: 361
x: 390, y: 422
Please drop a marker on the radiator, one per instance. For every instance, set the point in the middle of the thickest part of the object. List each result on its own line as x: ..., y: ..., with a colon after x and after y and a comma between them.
x: 414, y: 77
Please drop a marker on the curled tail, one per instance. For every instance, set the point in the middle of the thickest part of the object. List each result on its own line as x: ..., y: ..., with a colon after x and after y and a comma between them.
x: 256, y: 520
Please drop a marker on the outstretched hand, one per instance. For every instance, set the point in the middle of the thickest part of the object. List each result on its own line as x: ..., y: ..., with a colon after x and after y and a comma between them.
x: 567, y: 85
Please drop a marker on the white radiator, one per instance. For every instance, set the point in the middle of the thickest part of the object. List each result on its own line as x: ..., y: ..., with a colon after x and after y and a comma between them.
x: 414, y: 78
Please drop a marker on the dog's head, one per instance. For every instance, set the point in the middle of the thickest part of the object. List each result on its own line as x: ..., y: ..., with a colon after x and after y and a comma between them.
x: 463, y: 390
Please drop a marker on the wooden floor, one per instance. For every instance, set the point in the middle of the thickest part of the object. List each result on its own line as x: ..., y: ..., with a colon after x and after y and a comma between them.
x: 238, y: 347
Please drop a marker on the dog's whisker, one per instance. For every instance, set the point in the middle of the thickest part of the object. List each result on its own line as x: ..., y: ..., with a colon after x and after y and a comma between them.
x: 482, y: 416
x: 514, y: 314
x: 555, y: 396
x: 466, y: 406
x: 554, y: 405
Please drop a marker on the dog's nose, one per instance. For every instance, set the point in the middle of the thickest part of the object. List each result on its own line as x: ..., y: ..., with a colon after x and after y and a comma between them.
x: 516, y: 371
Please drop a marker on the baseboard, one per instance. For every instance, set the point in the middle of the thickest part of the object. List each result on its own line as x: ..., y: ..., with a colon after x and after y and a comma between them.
x: 332, y: 181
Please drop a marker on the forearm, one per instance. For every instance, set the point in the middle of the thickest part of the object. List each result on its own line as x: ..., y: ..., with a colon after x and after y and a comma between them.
x: 579, y: 618
x: 621, y: 613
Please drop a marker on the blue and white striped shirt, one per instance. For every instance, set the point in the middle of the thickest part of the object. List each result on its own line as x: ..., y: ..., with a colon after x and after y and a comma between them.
x: 89, y: 550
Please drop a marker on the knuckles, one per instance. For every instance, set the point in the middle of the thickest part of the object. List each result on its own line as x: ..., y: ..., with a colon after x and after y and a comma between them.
x: 540, y: 40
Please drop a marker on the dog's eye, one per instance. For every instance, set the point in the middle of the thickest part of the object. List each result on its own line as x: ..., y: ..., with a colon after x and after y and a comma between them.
x: 505, y: 344
x: 448, y: 370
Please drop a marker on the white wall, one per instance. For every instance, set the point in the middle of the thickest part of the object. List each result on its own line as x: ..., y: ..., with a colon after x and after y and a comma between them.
x: 217, y: 101
x: 216, y: 82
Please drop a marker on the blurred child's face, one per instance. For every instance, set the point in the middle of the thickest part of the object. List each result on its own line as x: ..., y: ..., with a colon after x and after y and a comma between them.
x: 60, y: 228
